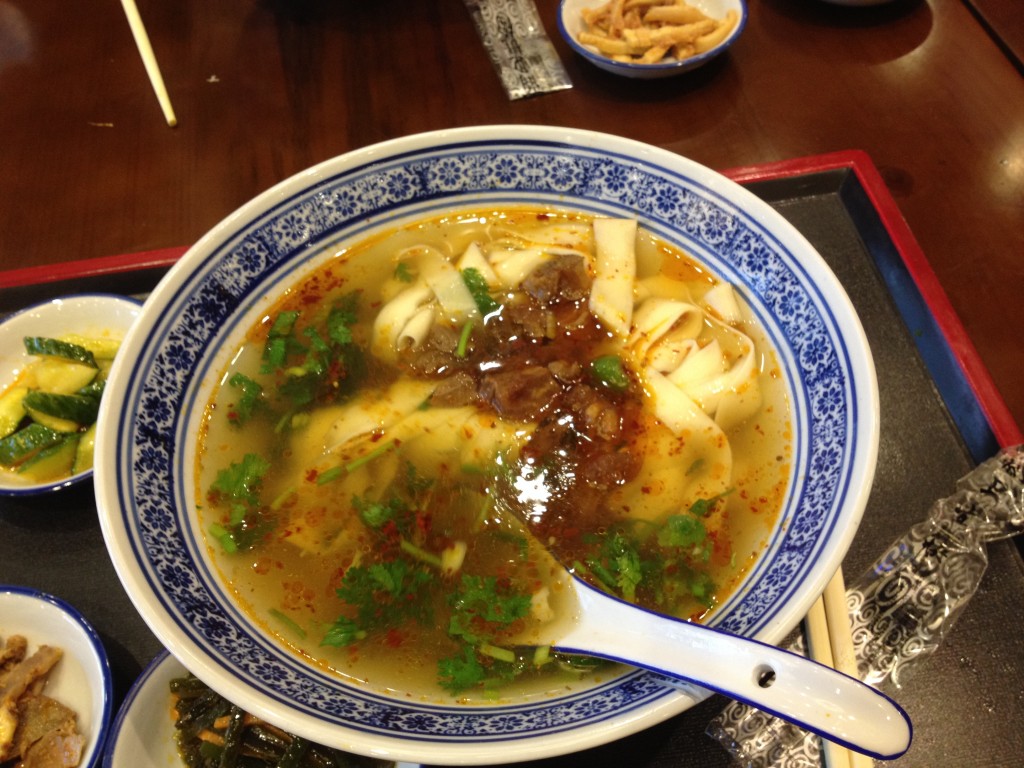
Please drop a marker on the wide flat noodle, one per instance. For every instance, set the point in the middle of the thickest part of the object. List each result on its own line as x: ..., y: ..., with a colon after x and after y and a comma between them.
x: 612, y: 292
x: 686, y: 438
x: 710, y: 361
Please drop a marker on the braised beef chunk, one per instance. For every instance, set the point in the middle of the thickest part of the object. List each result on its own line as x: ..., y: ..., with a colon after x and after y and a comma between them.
x: 598, y: 416
x: 455, y: 391
x: 566, y: 371
x: 532, y: 320
x: 563, y: 277
x: 436, y: 356
x: 607, y: 470
x: 522, y: 394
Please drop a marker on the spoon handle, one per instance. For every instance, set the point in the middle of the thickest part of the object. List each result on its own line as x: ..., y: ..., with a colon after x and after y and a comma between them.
x: 813, y: 696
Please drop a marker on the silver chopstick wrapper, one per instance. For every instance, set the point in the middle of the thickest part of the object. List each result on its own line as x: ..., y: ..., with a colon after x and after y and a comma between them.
x: 902, y: 607
x: 522, y: 54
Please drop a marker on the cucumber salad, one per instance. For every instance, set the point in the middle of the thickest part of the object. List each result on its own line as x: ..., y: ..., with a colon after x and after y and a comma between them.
x: 48, y: 414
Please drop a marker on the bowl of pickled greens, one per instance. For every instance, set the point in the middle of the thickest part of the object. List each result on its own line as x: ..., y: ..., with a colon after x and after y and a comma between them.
x: 54, y: 360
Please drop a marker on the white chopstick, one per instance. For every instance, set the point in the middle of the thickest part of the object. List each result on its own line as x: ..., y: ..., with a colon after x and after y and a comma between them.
x: 149, y: 60
x: 830, y: 643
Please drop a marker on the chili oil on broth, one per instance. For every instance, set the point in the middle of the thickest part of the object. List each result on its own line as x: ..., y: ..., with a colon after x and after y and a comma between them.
x: 287, y: 585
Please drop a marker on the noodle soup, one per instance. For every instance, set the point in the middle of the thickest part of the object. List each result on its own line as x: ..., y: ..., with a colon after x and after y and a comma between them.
x: 400, y: 442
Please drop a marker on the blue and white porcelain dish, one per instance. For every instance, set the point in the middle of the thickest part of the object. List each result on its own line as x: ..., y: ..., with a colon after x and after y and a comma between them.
x: 82, y: 678
x: 196, y: 315
x: 90, y: 314
x: 570, y: 24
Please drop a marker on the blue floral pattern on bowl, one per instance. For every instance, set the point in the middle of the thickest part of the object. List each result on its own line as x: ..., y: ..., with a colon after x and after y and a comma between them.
x: 265, y: 250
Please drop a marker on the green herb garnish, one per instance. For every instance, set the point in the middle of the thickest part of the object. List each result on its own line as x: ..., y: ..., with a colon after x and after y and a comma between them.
x: 479, y: 290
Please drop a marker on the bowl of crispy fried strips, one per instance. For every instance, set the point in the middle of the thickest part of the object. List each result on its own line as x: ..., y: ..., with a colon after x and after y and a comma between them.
x: 648, y: 39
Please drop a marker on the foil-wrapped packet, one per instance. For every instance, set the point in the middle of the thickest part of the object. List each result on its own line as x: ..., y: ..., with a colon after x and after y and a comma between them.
x: 522, y: 54
x: 902, y: 607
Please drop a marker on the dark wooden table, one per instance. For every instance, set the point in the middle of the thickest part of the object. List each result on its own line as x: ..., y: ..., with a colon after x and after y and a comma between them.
x: 930, y: 89
x: 265, y: 88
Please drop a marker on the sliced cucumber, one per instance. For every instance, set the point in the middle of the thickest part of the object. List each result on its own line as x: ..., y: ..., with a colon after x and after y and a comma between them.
x: 77, y: 408
x: 51, y: 463
x: 26, y: 443
x: 93, y: 389
x: 55, y: 374
x: 47, y: 347
x: 102, y: 349
x: 12, y: 409
x: 55, y: 423
x: 85, y: 451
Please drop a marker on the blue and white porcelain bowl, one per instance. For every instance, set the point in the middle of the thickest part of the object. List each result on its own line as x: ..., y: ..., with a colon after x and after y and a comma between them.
x: 82, y: 679
x: 197, y: 314
x: 100, y: 315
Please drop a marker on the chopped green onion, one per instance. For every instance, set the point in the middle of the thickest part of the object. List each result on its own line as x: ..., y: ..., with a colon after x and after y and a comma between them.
x: 420, y: 554
x: 286, y: 494
x: 288, y: 622
x: 495, y: 652
x: 224, y: 537
x: 609, y: 371
x: 329, y: 475
x: 380, y: 450
x: 463, y: 346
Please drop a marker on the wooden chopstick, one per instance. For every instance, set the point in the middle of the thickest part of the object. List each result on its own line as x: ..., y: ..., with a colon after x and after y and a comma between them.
x: 149, y: 60
x: 830, y: 642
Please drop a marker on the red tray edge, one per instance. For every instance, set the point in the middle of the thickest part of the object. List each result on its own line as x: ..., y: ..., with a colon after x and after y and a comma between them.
x: 1003, y: 425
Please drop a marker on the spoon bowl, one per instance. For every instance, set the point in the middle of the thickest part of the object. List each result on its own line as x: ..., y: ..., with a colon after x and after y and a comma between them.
x: 813, y: 696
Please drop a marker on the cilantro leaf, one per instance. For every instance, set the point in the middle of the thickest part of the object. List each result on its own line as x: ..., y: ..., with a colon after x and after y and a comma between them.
x: 341, y: 318
x: 383, y: 596
x: 238, y: 487
x: 279, y: 341
x: 403, y: 273
x: 479, y: 290
x: 704, y: 507
x: 375, y: 514
x: 250, y: 398
x: 241, y: 481
x: 482, y: 606
x: 619, y: 564
x: 682, y: 531
x: 461, y: 672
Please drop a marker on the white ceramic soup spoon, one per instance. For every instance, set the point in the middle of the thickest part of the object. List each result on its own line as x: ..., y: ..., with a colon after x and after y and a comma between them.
x: 813, y: 696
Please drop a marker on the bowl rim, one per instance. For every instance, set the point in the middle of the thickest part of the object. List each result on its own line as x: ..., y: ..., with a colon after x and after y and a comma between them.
x: 161, y: 304
x: 675, y: 66
x: 19, y: 316
x: 98, y: 659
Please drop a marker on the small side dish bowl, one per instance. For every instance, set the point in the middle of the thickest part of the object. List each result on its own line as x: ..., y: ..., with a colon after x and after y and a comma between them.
x: 99, y: 315
x: 142, y: 734
x: 81, y: 679
x: 571, y: 24
x: 193, y: 323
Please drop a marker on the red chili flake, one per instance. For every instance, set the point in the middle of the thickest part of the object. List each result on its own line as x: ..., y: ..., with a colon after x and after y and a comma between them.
x: 394, y: 638
x: 311, y: 476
